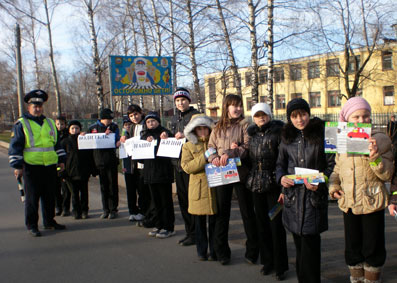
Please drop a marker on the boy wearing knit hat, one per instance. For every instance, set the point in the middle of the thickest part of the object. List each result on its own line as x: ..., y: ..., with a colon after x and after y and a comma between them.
x: 184, y: 113
x: 157, y: 174
x: 79, y: 167
x: 106, y: 161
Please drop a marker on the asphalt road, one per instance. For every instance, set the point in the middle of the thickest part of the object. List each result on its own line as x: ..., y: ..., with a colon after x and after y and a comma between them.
x: 96, y: 250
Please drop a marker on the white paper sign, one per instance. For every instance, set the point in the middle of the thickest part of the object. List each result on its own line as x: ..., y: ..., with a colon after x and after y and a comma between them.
x: 97, y: 141
x: 170, y: 147
x: 122, y: 152
x: 141, y: 149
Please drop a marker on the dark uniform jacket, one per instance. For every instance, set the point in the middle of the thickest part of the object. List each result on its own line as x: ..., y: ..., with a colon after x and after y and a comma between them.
x: 178, y: 124
x: 17, y: 143
x: 79, y: 163
x: 105, y: 157
x: 305, y: 211
x: 263, y: 153
x: 158, y: 170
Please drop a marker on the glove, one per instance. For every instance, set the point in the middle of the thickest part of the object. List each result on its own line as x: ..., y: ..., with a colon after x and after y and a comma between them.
x: 209, y: 152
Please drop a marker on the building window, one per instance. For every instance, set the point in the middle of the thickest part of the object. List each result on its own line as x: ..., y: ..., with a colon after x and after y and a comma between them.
x: 352, y: 64
x: 263, y: 99
x: 315, y: 99
x: 278, y: 74
x: 332, y: 67
x: 225, y: 81
x: 313, y: 70
x: 280, y: 101
x: 295, y: 72
x: 296, y: 95
x: 248, y: 102
x: 234, y: 80
x: 388, y: 95
x: 248, y: 78
x: 212, y: 90
x: 333, y: 98
x: 213, y: 113
x: 262, y: 76
x: 387, y: 60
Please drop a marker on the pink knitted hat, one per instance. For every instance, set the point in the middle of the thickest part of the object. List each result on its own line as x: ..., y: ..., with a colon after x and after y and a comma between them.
x: 352, y: 105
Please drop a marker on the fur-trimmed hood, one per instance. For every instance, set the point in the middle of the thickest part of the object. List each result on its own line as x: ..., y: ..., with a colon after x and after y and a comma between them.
x: 314, y: 132
x: 197, y: 120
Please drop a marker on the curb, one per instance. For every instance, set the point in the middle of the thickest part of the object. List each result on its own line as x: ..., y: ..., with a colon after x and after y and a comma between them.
x: 4, y: 144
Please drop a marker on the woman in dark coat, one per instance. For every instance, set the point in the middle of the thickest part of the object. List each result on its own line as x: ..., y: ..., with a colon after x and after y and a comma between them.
x: 305, y: 212
x: 263, y: 151
x: 79, y: 167
x: 158, y: 174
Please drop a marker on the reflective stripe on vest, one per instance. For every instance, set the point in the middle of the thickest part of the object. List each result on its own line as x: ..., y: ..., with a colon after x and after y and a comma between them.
x: 39, y: 142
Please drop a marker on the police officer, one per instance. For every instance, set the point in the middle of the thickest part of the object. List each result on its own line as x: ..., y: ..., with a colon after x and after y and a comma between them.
x: 34, y: 153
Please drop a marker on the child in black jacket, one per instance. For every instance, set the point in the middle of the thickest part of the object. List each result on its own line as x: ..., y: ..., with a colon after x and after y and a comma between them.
x: 78, y: 169
x: 158, y: 174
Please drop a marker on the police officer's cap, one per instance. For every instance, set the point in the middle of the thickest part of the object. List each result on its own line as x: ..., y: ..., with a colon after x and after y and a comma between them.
x: 36, y: 96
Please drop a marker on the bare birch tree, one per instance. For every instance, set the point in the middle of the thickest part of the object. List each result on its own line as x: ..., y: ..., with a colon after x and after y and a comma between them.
x: 233, y: 65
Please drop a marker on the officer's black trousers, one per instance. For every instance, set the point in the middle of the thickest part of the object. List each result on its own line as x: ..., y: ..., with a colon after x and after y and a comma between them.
x: 108, y: 179
x: 182, y: 186
x: 39, y: 184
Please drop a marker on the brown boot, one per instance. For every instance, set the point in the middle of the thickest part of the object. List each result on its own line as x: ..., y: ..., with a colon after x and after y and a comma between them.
x: 372, y: 274
x: 357, y: 273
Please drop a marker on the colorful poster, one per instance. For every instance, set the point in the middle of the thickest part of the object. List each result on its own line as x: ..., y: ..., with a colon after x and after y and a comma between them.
x: 342, y: 137
x: 222, y: 175
x: 130, y: 75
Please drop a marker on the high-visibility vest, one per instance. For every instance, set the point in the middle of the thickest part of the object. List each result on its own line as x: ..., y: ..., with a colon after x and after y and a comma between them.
x: 39, y: 142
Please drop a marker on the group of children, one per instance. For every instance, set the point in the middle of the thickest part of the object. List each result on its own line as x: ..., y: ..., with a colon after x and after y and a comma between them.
x: 269, y: 150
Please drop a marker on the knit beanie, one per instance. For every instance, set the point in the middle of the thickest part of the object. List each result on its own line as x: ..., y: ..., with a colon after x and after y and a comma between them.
x: 106, y: 113
x: 353, y: 104
x: 295, y: 104
x: 74, y: 122
x: 182, y: 92
x: 261, y: 107
x: 152, y: 115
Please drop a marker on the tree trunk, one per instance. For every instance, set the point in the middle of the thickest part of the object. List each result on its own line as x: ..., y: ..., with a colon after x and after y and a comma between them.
x: 174, y: 78
x: 52, y: 63
x: 270, y: 60
x: 233, y: 64
x: 34, y: 45
x: 95, y: 57
x: 158, y: 49
x: 145, y: 41
x: 254, y: 53
x: 192, y: 48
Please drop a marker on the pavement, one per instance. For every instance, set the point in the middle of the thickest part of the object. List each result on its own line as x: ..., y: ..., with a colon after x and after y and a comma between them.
x: 97, y: 250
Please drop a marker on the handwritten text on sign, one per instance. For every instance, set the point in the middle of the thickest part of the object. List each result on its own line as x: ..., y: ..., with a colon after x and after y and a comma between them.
x: 97, y: 141
x: 140, y: 149
x: 170, y: 147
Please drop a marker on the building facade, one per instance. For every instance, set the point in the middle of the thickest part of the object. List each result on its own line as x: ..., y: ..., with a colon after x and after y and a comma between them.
x: 318, y: 79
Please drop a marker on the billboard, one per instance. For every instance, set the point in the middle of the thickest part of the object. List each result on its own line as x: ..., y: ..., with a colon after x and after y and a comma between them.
x: 140, y: 75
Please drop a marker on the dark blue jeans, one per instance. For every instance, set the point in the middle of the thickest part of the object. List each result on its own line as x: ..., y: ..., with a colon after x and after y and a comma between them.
x: 204, y: 240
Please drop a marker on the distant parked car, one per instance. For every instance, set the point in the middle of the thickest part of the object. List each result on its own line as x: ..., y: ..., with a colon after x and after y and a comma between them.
x: 358, y: 133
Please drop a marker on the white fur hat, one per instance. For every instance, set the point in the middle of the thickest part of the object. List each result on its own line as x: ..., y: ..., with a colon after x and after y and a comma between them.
x: 264, y: 107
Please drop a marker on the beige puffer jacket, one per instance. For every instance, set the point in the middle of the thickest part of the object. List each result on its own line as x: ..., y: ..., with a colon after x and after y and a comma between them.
x: 201, y: 198
x: 362, y: 183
